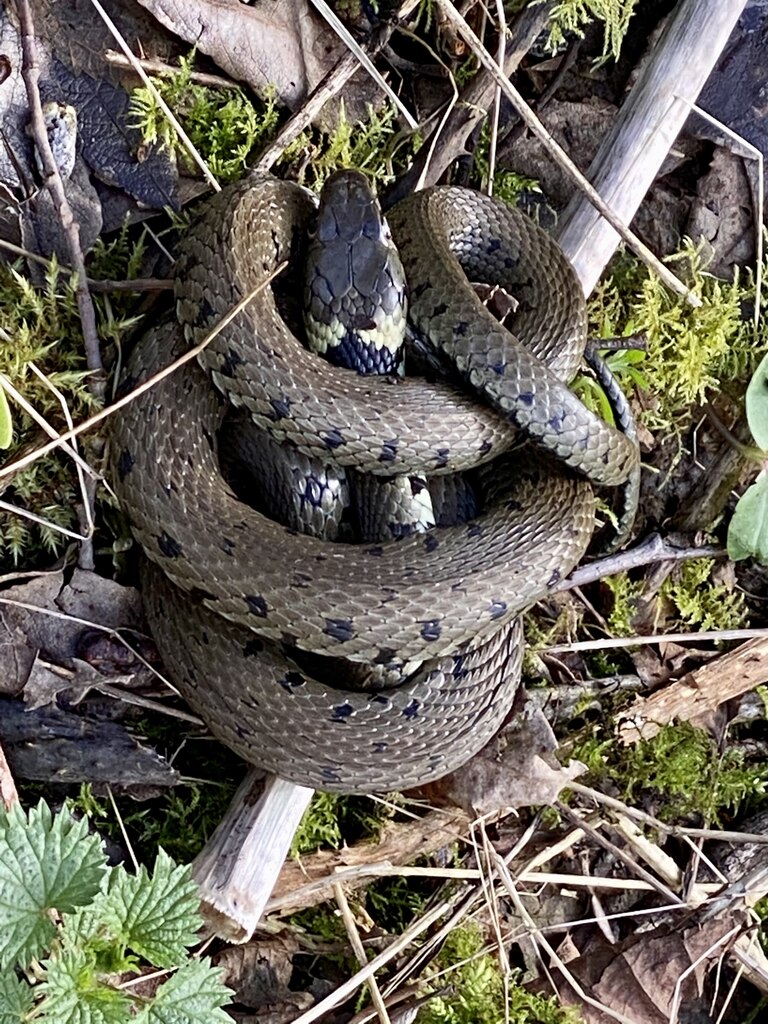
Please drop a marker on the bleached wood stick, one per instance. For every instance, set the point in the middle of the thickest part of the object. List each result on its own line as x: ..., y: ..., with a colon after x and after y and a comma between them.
x: 649, y: 122
x: 237, y: 868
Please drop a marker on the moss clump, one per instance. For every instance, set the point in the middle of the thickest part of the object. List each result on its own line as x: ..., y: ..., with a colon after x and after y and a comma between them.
x: 225, y: 127
x: 332, y: 819
x: 478, y: 991
x: 572, y: 15
x: 372, y: 146
x: 681, y: 770
x: 701, y: 601
x: 40, y: 327
x: 691, y: 350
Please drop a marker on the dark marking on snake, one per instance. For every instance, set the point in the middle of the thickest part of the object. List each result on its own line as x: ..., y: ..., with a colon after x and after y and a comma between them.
x: 475, y: 530
x: 127, y: 384
x: 419, y: 290
x: 557, y: 420
x: 526, y: 398
x: 257, y: 605
x: 379, y: 747
x: 497, y: 608
x: 388, y: 451
x: 385, y: 655
x: 205, y: 638
x: 494, y: 244
x: 169, y: 546
x: 430, y: 629
x: 339, y: 629
x: 125, y: 464
x: 485, y: 447
x: 460, y: 670
x: 554, y: 579
x: 333, y: 439
x: 281, y: 407
x: 417, y: 485
x: 460, y: 329
x: 510, y: 262
x: 292, y: 681
x: 288, y: 640
x: 230, y: 363
x: 199, y: 595
x: 330, y: 774
x: 376, y: 551
x: 513, y: 505
x: 431, y: 543
x: 441, y: 457
x: 301, y: 579
x: 412, y: 710
x: 253, y: 647
x: 227, y: 546
x: 206, y: 314
x: 342, y: 712
x: 439, y: 309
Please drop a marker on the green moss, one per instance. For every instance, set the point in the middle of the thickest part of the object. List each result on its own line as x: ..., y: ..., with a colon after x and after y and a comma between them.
x: 477, y: 989
x: 373, y: 146
x: 681, y: 770
x: 691, y: 350
x: 572, y: 15
x: 225, y: 127
x: 40, y: 326
x: 700, y: 601
x: 331, y: 819
x: 626, y: 594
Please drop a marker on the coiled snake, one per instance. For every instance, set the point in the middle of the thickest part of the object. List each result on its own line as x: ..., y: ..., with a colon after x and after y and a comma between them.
x: 243, y: 609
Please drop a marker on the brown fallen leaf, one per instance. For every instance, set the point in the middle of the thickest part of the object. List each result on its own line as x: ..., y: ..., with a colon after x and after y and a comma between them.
x: 283, y: 45
x: 645, y: 975
x: 518, y: 769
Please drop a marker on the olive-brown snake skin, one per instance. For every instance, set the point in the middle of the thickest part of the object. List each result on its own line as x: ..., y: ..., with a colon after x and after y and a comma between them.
x: 242, y: 608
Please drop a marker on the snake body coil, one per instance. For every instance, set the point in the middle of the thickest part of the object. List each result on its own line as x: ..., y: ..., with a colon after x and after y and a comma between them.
x: 244, y: 609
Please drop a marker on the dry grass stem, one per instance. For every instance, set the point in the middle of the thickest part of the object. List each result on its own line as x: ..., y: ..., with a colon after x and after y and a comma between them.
x: 359, y: 950
x: 359, y: 53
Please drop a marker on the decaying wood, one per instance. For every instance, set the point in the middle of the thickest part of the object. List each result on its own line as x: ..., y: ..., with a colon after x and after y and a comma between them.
x: 650, y: 121
x: 698, y: 693
x: 309, y: 881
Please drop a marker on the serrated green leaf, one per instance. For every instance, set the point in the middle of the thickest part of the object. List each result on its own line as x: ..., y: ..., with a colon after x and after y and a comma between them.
x: 156, y: 917
x: 74, y: 995
x: 757, y: 404
x: 15, y: 999
x: 6, y: 421
x: 193, y: 995
x: 47, y: 862
x: 748, y: 530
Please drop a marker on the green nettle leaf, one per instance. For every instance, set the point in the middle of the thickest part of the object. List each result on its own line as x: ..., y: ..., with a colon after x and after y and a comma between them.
x: 46, y: 863
x: 757, y: 404
x: 74, y: 995
x: 748, y: 529
x: 156, y: 917
x: 193, y: 995
x: 6, y: 421
x: 16, y: 999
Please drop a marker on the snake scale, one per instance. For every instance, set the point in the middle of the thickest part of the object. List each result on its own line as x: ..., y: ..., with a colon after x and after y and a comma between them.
x: 251, y: 618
